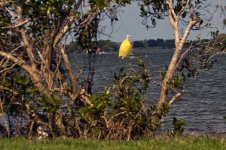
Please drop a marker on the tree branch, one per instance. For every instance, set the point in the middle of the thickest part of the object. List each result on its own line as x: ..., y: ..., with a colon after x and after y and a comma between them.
x: 16, y: 60
x: 17, y: 25
x: 170, y: 10
x: 75, y: 87
x: 5, y: 69
x: 173, y: 18
x: 184, y: 8
x: 8, y: 89
x: 34, y: 75
x: 175, y: 97
x: 183, y: 55
x: 10, y: 12
x: 65, y: 28
x: 179, y: 45
x: 25, y: 37
x: 187, y: 31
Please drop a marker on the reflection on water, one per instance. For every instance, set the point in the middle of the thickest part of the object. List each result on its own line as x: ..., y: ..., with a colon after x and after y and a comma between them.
x: 204, y: 103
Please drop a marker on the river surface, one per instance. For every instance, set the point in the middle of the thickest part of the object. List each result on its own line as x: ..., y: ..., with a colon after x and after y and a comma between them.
x: 203, y: 105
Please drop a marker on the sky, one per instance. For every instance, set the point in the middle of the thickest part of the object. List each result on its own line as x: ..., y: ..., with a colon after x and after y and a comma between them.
x: 130, y: 23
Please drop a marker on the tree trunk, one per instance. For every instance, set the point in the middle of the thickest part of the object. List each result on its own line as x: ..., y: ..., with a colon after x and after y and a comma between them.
x: 75, y: 87
x: 179, y: 43
x: 168, y: 77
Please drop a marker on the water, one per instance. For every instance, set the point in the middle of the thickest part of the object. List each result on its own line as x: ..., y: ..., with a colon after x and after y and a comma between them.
x: 204, y: 103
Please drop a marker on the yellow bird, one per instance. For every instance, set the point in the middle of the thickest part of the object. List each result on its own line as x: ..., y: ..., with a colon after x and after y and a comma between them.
x: 125, y: 47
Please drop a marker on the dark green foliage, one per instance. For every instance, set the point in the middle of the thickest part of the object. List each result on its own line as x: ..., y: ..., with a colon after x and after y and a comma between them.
x: 177, y: 127
x: 202, y: 55
x: 87, y: 35
x: 224, y: 117
x: 151, y: 10
x: 157, y: 116
x: 45, y: 14
x: 177, y: 81
x: 49, y: 103
x: 20, y: 99
x: 119, y: 112
x: 99, y: 105
x: 13, y: 90
x: 188, y: 68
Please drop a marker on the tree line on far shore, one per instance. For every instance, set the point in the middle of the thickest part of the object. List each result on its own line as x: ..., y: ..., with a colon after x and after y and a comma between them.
x: 108, y: 45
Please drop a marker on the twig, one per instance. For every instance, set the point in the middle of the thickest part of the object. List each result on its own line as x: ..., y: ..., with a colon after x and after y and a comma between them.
x: 16, y: 26
x: 175, y: 97
x: 184, y: 54
x: 3, y: 70
x: 184, y: 7
x: 10, y: 12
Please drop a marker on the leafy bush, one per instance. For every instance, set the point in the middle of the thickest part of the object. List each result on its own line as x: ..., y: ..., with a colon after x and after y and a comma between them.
x: 119, y: 112
x: 177, y: 127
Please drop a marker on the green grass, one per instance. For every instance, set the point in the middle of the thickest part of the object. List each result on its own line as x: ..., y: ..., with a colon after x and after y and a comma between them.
x: 159, y: 143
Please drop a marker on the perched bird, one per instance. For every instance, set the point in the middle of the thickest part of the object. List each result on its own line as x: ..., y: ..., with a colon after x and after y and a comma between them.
x: 125, y: 47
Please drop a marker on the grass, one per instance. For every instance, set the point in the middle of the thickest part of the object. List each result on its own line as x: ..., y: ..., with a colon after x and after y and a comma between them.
x: 159, y: 143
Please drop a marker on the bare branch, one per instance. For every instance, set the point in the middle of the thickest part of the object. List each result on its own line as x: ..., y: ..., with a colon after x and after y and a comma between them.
x: 16, y: 26
x: 66, y: 23
x: 8, y: 68
x: 216, y: 54
x: 171, y: 11
x: 25, y: 37
x: 191, y: 23
x: 10, y: 12
x: 175, y: 97
x: 65, y: 28
x: 8, y: 89
x: 184, y: 54
x: 89, y: 19
x: 17, y: 60
x: 75, y: 88
x: 184, y: 8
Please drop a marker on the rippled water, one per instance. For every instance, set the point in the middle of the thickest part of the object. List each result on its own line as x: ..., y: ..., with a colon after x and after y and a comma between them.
x: 204, y: 103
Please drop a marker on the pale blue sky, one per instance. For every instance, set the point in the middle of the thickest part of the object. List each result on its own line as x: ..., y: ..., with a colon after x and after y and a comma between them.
x: 130, y: 23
